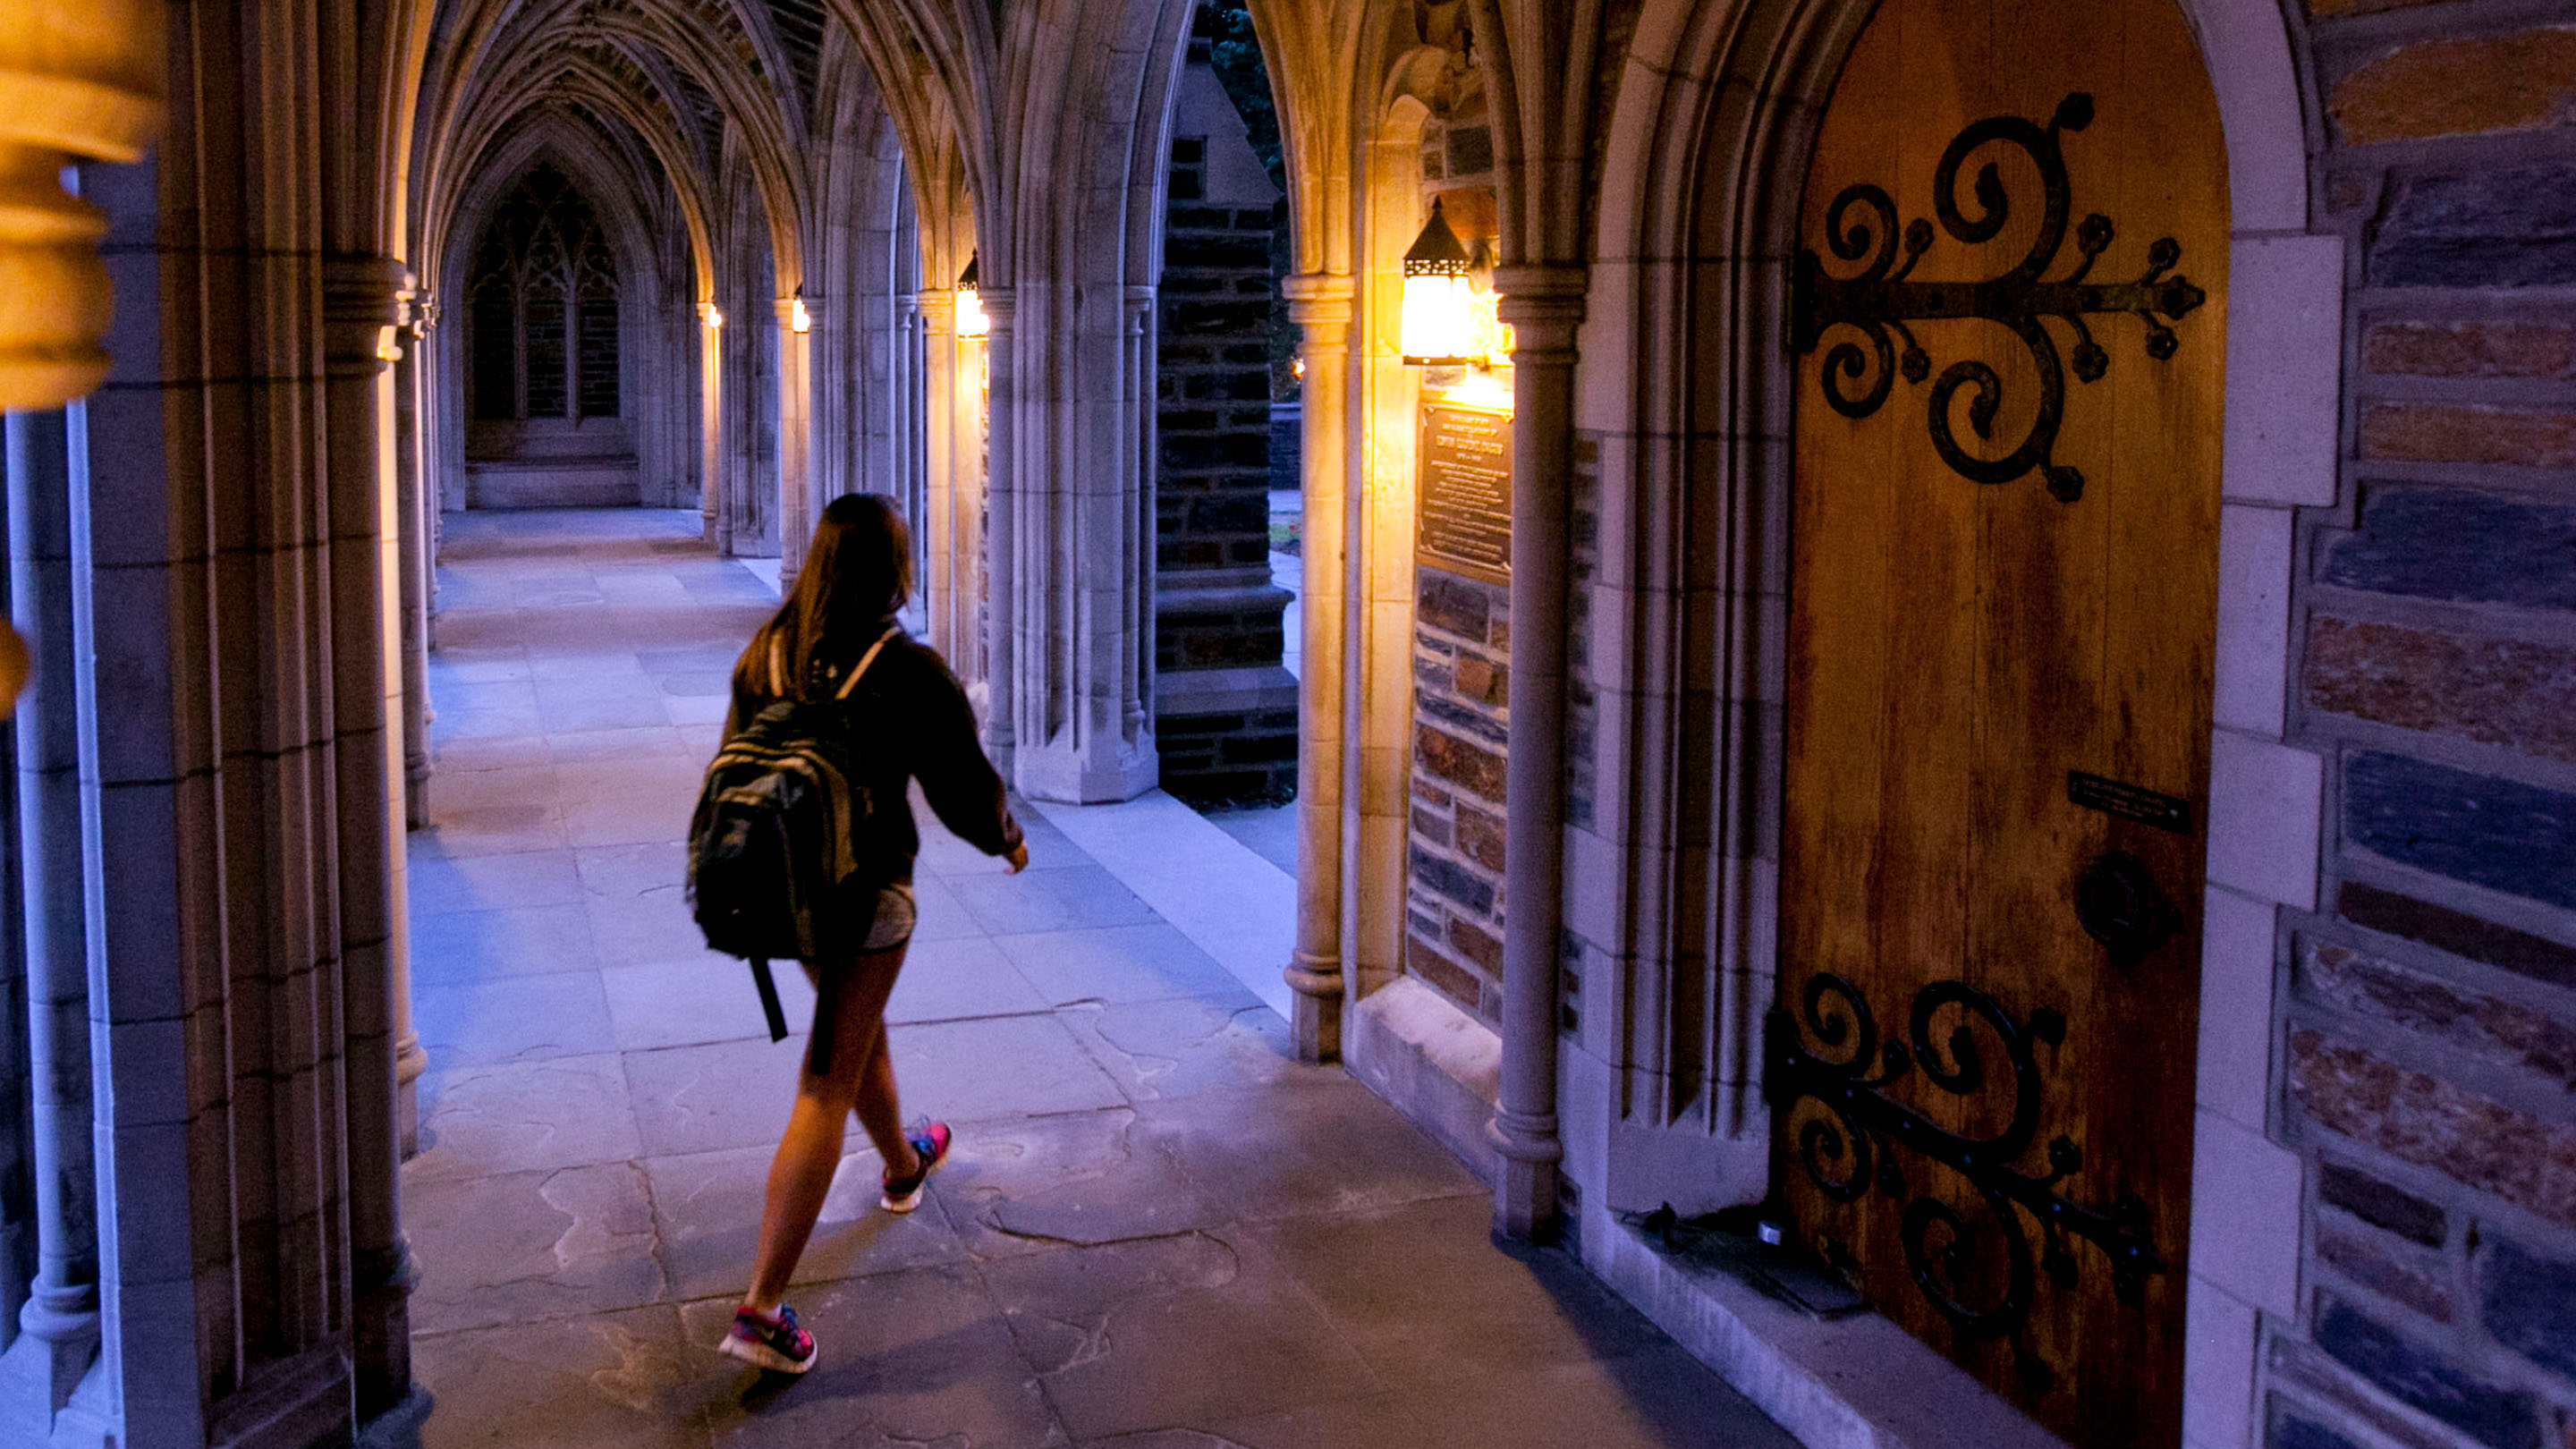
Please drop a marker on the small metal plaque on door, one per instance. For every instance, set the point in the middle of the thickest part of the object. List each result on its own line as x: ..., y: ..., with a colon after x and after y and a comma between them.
x: 2129, y: 802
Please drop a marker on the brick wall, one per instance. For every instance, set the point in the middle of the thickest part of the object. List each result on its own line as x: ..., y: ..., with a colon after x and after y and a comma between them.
x: 1462, y: 646
x: 1216, y: 609
x: 1212, y: 501
x: 2428, y: 1056
x: 1212, y: 495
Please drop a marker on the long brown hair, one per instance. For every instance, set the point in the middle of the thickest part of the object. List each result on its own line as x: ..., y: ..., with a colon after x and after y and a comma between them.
x: 858, y: 572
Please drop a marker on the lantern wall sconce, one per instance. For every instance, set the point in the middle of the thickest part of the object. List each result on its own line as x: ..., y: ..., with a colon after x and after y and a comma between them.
x: 971, y: 320
x: 800, y: 320
x: 1438, y: 328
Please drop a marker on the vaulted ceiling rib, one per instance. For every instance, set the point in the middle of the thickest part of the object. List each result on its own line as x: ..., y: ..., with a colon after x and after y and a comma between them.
x: 799, y: 27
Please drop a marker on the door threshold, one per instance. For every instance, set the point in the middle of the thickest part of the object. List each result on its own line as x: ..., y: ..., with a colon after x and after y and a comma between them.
x: 1836, y: 1381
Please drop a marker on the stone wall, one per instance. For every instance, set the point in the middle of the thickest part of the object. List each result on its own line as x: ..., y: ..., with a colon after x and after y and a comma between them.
x: 1462, y: 649
x: 1582, y: 708
x: 1225, y: 710
x: 2427, y: 1059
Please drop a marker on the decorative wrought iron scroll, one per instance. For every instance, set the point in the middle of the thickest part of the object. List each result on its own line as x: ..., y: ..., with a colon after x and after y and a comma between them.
x: 1881, y: 298
x: 1851, y: 1151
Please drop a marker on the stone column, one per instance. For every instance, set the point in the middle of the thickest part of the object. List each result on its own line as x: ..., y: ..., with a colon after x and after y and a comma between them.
x: 434, y: 463
x: 409, y: 684
x: 1543, y: 306
x: 1320, y: 304
x: 1005, y: 610
x: 411, y: 474
x: 61, y: 1316
x: 77, y: 78
x: 739, y: 516
x: 1076, y: 480
x: 1134, y: 481
x: 948, y: 533
x: 360, y: 313
x: 797, y: 504
x: 711, y: 426
x: 904, y: 423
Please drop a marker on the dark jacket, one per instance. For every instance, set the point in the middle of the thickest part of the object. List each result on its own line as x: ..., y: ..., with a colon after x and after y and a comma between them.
x: 909, y: 720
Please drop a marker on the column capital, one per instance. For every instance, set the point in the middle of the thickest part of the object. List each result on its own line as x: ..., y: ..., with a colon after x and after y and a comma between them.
x: 938, y: 308
x: 1319, y: 301
x: 998, y: 304
x: 1544, y: 305
x: 78, y: 78
x: 360, y: 288
x: 362, y: 307
x: 1318, y: 286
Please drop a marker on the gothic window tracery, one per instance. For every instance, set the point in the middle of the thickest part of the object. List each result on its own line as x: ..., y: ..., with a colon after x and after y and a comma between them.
x: 544, y: 293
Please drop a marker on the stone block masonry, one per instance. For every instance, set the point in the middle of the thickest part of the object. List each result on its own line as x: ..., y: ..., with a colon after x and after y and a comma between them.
x: 2426, y: 1047
x: 1225, y: 710
x: 1454, y: 900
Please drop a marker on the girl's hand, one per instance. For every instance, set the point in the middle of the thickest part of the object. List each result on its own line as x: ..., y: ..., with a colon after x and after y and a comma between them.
x: 1019, y: 857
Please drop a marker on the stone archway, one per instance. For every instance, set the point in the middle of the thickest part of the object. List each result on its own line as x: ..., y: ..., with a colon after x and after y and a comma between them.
x: 548, y: 316
x: 1664, y: 1080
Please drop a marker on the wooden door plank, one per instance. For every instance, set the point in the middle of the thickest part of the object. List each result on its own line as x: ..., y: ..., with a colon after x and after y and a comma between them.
x: 1956, y: 649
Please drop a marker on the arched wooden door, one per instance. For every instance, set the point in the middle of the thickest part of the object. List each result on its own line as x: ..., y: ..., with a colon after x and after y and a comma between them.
x: 2010, y: 325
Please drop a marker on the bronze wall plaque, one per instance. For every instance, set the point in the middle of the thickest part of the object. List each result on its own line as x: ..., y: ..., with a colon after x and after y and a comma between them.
x: 1465, y: 521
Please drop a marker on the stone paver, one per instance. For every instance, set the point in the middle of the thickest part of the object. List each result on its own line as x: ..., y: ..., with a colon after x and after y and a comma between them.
x: 1158, y: 1230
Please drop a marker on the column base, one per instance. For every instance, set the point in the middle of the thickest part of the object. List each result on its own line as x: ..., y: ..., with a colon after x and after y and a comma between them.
x: 1315, y: 1024
x: 1063, y: 777
x: 1527, y: 1154
x: 301, y: 1401
x: 416, y: 796
x: 41, y: 1369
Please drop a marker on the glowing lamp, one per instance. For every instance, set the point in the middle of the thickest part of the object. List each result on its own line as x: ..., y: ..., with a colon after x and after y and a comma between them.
x: 1439, y: 304
x: 799, y: 320
x: 710, y: 315
x: 971, y: 321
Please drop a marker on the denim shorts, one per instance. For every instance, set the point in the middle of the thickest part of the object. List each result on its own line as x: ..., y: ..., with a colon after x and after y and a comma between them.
x: 892, y: 926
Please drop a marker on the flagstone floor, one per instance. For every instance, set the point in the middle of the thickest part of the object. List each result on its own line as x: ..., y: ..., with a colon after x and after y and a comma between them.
x: 1158, y: 1230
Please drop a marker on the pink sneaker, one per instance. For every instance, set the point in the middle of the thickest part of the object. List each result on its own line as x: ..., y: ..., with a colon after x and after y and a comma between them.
x: 903, y: 1194
x: 779, y: 1346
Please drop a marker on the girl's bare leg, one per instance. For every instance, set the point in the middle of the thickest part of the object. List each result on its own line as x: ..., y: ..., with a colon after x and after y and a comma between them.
x: 861, y: 1078
x: 879, y: 1111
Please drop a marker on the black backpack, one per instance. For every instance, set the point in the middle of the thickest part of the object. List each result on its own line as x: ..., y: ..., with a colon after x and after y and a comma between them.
x: 772, y: 845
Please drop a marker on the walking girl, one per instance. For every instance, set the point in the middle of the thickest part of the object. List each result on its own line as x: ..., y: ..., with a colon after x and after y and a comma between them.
x: 834, y: 641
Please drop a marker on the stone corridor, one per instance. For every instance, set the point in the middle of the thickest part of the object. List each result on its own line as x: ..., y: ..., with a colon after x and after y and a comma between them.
x: 1158, y: 1229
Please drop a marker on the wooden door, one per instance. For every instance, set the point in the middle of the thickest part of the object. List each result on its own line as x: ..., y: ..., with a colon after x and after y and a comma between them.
x: 2010, y: 324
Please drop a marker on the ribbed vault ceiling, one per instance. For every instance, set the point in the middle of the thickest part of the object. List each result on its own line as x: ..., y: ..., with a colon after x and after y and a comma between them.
x: 674, y: 74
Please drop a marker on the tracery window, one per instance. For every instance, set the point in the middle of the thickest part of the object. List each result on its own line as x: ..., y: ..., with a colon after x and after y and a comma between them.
x: 544, y: 307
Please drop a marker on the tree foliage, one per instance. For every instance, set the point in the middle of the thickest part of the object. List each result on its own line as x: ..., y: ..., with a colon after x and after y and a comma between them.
x: 1236, y: 53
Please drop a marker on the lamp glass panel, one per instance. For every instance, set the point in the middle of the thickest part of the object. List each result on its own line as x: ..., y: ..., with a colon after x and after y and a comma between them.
x: 1438, y: 316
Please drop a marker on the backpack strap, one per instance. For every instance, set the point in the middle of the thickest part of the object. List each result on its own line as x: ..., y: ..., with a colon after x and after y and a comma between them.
x: 778, y: 663
x: 769, y: 1006
x: 865, y: 660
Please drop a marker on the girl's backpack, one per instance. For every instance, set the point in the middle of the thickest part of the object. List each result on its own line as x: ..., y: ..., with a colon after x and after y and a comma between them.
x: 771, y: 847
